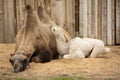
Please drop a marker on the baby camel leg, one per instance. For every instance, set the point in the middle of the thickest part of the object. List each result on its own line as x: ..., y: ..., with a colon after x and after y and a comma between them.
x: 74, y: 54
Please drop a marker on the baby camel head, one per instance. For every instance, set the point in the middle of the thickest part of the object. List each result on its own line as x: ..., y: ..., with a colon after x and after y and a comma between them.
x: 58, y: 32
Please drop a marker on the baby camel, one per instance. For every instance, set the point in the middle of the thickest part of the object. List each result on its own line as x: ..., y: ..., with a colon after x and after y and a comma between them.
x: 78, y: 47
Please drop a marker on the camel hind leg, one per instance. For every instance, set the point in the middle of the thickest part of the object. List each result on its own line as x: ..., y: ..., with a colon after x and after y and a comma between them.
x: 97, y: 51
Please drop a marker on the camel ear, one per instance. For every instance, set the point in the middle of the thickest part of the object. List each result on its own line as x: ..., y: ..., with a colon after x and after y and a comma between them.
x: 12, y: 54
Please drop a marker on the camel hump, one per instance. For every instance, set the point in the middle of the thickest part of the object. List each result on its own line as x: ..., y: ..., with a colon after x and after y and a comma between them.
x: 41, y: 11
x: 40, y: 8
x: 29, y: 8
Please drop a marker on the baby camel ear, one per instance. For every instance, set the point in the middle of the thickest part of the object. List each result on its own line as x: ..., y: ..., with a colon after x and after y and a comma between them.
x: 66, y: 34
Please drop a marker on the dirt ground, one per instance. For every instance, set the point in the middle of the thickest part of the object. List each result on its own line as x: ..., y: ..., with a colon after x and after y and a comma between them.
x: 105, y: 68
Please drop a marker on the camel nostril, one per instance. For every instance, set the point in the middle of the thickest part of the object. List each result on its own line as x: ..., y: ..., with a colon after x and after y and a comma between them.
x: 16, y: 68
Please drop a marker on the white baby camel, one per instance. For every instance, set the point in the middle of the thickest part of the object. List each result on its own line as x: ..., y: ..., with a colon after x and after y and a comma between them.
x: 78, y: 47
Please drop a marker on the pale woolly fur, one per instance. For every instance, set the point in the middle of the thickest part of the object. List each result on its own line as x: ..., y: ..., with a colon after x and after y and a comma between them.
x: 78, y: 47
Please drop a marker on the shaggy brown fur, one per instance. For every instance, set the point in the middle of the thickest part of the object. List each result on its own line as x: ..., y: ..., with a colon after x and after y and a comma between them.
x: 34, y: 41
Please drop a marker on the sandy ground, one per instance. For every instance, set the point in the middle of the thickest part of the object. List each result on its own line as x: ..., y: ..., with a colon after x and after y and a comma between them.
x: 105, y: 68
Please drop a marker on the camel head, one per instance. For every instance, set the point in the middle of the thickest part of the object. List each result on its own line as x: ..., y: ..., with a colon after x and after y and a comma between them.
x: 19, y: 62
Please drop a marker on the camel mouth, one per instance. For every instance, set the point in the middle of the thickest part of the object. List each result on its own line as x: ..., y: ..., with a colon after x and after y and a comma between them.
x: 19, y: 65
